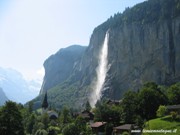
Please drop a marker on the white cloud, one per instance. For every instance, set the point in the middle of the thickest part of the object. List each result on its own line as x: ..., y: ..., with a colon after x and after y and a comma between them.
x: 41, y: 72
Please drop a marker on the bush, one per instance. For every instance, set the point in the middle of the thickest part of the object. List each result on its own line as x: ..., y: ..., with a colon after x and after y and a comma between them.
x: 161, y: 111
x: 174, y: 115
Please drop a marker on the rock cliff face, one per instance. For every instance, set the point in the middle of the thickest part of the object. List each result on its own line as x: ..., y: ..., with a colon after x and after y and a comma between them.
x: 139, y: 50
x: 142, y: 53
x: 59, y: 67
x: 138, y: 53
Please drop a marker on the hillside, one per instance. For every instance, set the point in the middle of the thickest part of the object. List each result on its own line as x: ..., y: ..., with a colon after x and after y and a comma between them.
x: 143, y: 46
x: 165, y: 124
x: 59, y: 67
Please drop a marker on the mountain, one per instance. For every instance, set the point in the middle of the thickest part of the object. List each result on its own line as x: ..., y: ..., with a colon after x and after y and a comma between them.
x: 143, y: 46
x: 3, y: 97
x: 59, y: 66
x: 16, y: 87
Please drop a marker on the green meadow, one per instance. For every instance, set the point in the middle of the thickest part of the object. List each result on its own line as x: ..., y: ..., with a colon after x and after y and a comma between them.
x: 161, y: 126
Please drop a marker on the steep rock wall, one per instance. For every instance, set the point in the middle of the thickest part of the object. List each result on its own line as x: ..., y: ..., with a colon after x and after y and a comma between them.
x: 140, y: 53
x: 59, y: 67
x: 144, y: 45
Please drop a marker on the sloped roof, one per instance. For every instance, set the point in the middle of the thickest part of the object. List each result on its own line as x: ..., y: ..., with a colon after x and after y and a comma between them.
x: 98, y: 124
x: 124, y: 127
x: 86, y: 114
x: 173, y: 107
x: 45, y: 102
x: 114, y: 102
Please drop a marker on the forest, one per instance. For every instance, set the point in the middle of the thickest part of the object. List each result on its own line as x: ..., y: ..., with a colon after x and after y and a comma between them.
x: 149, y: 102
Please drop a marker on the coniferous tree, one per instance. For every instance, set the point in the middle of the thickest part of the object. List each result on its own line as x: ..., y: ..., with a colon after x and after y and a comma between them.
x: 30, y: 123
x: 88, y: 106
x: 65, y: 116
x: 30, y: 106
x: 45, y: 103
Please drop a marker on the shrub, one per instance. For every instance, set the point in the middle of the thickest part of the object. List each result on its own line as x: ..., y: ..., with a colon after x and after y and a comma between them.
x: 161, y: 111
x: 174, y: 115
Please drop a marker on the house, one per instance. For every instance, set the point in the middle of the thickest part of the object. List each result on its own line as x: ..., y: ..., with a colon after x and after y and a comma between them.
x: 175, y: 108
x: 123, y: 128
x: 98, y: 128
x: 87, y: 115
x: 114, y: 102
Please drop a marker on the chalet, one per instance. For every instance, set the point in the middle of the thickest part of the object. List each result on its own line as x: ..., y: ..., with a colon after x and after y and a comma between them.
x: 87, y: 115
x: 175, y: 108
x: 98, y: 128
x: 123, y: 128
x: 114, y: 102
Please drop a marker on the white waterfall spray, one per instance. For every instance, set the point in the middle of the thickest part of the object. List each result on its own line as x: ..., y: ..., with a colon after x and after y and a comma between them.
x: 101, y: 71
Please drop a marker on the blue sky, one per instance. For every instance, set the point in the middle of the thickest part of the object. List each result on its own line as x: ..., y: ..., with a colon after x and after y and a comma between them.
x: 32, y: 30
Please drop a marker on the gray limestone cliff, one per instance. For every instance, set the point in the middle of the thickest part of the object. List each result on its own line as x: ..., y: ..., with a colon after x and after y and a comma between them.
x: 142, y: 53
x: 144, y: 46
x: 59, y: 67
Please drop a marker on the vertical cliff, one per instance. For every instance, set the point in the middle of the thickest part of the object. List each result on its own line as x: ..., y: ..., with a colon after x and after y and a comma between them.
x: 143, y: 46
x: 59, y: 67
x: 144, y: 52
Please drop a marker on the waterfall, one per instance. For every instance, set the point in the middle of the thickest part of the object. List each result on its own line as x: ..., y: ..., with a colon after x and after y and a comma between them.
x: 101, y: 71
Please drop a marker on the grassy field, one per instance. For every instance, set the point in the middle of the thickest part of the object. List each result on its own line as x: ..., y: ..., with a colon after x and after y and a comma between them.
x: 162, y: 126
